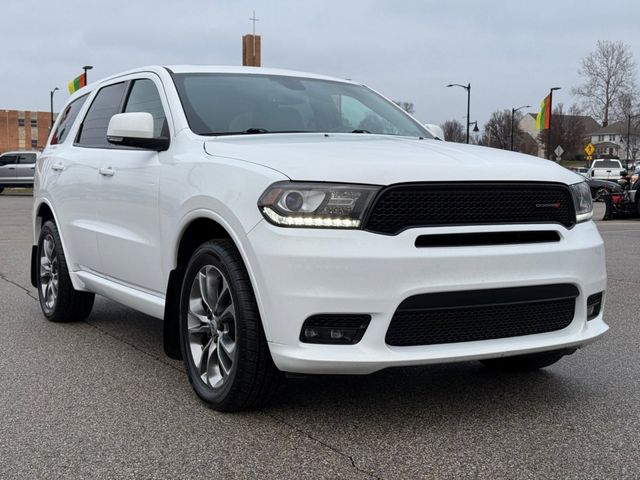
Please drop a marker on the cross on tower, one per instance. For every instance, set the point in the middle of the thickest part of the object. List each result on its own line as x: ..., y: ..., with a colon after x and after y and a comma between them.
x: 254, y: 20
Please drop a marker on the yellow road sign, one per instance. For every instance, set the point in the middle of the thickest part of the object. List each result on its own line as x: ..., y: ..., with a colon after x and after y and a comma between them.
x: 589, y: 149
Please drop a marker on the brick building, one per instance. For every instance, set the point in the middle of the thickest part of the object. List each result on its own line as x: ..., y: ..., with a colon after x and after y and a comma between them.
x: 23, y: 130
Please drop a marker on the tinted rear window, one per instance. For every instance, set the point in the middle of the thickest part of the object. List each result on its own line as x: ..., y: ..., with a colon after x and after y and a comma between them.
x: 27, y: 158
x: 68, y: 116
x: 606, y: 164
x: 106, y: 104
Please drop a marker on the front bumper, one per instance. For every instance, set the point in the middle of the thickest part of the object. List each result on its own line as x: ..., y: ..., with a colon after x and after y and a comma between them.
x: 302, y: 272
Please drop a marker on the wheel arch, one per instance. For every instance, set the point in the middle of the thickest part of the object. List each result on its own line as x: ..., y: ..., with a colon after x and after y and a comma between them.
x: 197, y: 227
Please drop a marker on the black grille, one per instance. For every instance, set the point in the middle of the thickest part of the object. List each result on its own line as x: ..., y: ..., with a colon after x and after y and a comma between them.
x: 403, y: 206
x: 477, y: 315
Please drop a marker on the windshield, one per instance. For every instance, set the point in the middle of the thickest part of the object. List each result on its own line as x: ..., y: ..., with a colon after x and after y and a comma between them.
x: 232, y: 104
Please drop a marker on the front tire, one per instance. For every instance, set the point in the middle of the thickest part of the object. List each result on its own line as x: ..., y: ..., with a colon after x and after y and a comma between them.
x: 525, y: 363
x: 223, y: 344
x: 59, y: 301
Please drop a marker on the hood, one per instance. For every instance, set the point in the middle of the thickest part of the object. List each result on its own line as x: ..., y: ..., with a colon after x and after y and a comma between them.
x: 383, y: 159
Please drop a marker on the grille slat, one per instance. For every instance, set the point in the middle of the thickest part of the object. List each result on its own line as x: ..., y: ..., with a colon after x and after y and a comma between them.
x: 452, y: 324
x: 403, y: 206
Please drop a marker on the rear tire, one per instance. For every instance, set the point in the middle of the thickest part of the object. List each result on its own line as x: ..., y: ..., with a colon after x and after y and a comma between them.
x: 59, y: 301
x: 525, y: 363
x: 223, y: 344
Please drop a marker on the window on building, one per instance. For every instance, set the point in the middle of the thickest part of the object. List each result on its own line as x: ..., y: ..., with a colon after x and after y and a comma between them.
x: 21, y: 122
x: 144, y: 97
x: 67, y: 117
x: 34, y: 119
x: 34, y: 143
x: 601, y: 138
x: 612, y: 138
x: 93, y: 131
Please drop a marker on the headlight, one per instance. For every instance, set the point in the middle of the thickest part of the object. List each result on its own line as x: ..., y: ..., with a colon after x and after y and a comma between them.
x: 320, y: 205
x: 581, y: 194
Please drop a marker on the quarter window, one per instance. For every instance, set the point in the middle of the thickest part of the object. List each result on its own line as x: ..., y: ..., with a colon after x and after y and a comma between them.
x: 93, y: 132
x: 67, y: 117
x: 144, y: 97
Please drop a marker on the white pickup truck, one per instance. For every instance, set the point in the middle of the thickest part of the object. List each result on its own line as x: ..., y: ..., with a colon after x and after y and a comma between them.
x: 605, y: 169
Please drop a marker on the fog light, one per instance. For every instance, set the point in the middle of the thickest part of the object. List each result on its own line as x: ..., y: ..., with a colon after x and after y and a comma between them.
x: 310, y: 332
x: 594, y: 305
x: 334, y: 329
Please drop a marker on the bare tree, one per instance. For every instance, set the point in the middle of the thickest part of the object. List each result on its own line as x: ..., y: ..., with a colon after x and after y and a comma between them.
x: 454, y: 131
x: 568, y: 131
x: 406, y: 106
x: 497, y: 131
x: 609, y: 74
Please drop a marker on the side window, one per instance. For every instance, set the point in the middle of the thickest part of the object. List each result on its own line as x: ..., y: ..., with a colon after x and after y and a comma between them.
x: 144, y: 97
x: 27, y: 158
x: 68, y: 116
x: 7, y: 160
x: 93, y: 132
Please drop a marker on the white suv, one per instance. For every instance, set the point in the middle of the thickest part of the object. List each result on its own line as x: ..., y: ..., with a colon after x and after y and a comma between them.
x: 289, y: 222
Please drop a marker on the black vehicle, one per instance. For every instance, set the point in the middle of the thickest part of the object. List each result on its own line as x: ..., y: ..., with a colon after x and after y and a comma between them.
x: 601, y: 187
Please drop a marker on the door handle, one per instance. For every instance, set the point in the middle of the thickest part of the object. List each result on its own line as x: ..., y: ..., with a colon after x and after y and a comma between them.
x: 58, y: 167
x: 107, y: 171
x: 12, y: 168
x: 32, y: 168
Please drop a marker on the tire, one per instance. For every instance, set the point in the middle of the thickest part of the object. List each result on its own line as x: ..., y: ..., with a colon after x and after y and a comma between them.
x: 223, y: 344
x: 59, y: 301
x: 525, y: 363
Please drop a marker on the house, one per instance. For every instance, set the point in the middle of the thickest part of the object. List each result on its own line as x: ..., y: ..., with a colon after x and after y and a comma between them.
x: 611, y: 141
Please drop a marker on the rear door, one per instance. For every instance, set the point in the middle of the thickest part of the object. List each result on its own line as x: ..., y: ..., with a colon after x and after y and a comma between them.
x: 8, y: 169
x: 26, y: 167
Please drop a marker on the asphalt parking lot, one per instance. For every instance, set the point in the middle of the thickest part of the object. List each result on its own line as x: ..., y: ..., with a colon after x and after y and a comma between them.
x: 99, y: 399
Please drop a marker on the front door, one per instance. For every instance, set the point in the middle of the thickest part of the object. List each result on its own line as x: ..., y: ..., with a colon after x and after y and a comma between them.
x: 129, y: 243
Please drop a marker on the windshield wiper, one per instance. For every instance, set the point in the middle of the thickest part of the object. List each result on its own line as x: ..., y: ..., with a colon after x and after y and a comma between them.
x: 255, y: 131
x: 358, y: 130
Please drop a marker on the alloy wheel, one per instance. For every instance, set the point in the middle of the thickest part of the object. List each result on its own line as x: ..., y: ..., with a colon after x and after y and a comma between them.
x: 49, y: 273
x: 211, y: 326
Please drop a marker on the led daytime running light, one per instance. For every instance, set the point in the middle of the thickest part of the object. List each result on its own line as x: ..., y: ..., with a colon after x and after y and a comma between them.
x: 311, y: 221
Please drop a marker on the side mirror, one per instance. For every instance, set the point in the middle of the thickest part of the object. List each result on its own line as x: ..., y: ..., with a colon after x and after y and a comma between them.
x: 435, y: 131
x: 135, y: 129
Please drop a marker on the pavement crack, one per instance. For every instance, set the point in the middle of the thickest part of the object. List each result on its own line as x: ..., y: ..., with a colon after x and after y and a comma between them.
x: 132, y: 345
x: 325, y: 444
x: 16, y: 284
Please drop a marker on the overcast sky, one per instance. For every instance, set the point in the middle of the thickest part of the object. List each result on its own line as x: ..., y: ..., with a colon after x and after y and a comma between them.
x: 510, y: 51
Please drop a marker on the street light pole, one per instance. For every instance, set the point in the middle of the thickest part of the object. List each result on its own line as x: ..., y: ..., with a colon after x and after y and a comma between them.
x: 86, y: 68
x: 51, y: 99
x: 513, y: 113
x: 468, y: 89
x: 550, y: 117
